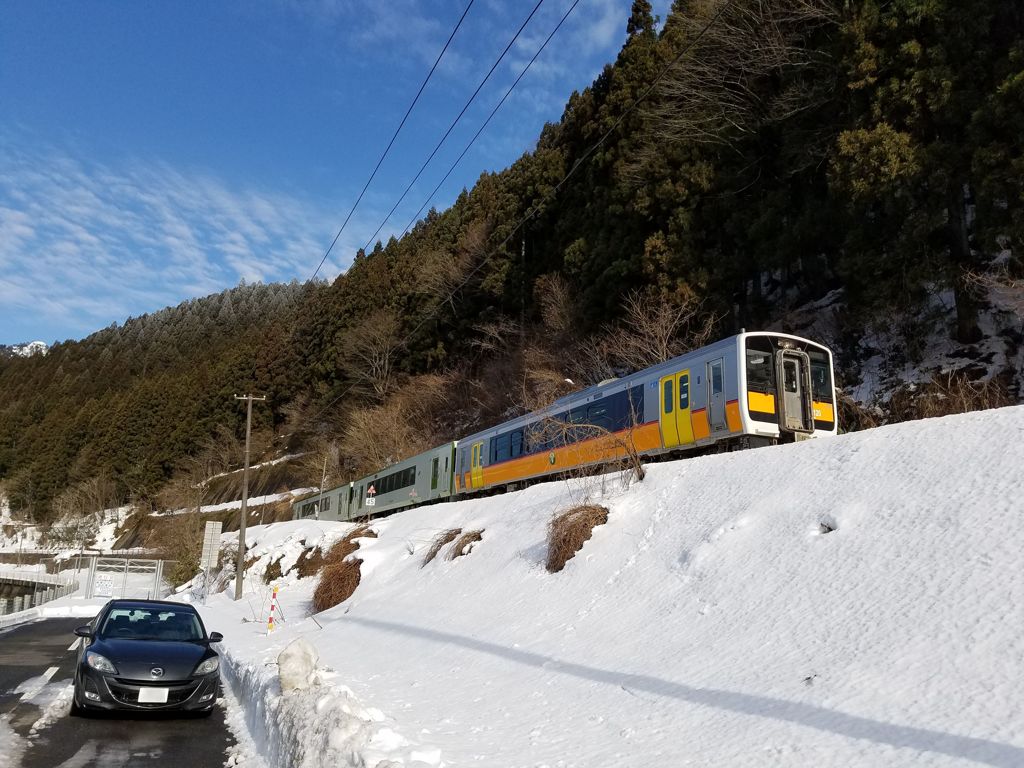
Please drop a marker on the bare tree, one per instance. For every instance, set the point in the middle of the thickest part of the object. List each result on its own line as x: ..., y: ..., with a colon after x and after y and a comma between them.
x: 443, y: 274
x: 400, y: 427
x: 721, y: 90
x: 657, y: 328
x: 370, y: 353
x: 321, y: 465
x: 557, y: 304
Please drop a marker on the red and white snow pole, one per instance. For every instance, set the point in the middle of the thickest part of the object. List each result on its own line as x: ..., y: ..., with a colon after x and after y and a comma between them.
x: 273, y: 605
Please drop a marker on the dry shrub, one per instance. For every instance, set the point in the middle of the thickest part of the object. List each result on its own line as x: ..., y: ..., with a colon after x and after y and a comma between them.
x: 340, y: 576
x: 946, y: 395
x: 568, y: 531
x: 854, y: 417
x: 465, y: 544
x: 337, y: 583
x: 179, y: 540
x: 443, y: 539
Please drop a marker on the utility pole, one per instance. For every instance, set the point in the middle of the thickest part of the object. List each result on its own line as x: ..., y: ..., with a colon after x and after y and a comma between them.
x: 239, y: 566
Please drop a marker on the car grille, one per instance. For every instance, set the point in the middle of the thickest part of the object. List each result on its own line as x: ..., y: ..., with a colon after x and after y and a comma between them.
x: 127, y: 691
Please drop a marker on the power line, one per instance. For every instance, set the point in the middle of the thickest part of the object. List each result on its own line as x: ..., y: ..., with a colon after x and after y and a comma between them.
x: 579, y: 162
x: 490, y: 117
x: 390, y: 143
x: 647, y: 91
x: 458, y: 117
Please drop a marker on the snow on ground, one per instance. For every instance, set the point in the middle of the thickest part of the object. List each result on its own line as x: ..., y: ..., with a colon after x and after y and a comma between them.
x: 881, y: 363
x: 270, y: 463
x: 255, y: 501
x: 711, y: 622
x: 11, y: 746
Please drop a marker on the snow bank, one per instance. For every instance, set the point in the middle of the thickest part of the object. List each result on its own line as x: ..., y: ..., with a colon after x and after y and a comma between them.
x: 856, y: 601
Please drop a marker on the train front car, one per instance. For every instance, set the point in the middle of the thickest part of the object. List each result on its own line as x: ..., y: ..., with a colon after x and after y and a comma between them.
x: 789, y: 388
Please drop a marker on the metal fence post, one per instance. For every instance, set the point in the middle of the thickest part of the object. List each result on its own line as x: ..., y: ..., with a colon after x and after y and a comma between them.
x: 17, y: 605
x: 3, y: 605
x: 91, y: 578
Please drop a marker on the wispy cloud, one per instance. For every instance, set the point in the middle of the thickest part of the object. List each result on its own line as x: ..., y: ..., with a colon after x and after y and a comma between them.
x: 83, y: 244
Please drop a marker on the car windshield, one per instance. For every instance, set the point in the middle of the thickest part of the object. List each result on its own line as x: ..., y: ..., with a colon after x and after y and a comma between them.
x: 151, y: 624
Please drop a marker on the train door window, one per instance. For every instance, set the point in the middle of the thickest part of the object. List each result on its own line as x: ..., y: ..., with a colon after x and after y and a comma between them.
x: 434, y: 465
x: 446, y: 465
x: 360, y: 504
x: 326, y: 506
x: 717, y: 380
x: 789, y: 370
x: 351, y: 493
x: 684, y: 392
x: 668, y: 396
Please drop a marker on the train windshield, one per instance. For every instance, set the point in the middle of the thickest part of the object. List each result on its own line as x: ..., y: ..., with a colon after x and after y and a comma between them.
x: 760, y: 357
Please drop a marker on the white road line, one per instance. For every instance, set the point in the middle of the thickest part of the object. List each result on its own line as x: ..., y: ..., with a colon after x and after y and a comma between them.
x: 39, y: 683
x: 74, y: 645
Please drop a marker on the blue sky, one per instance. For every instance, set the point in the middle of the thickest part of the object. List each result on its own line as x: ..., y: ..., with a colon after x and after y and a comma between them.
x: 153, y: 151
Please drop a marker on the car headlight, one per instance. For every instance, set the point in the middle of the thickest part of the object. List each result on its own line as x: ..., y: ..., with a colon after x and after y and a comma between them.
x: 100, y: 663
x: 212, y: 664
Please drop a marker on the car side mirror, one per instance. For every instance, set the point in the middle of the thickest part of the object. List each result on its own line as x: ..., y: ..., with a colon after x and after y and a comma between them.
x: 215, y: 637
x: 84, y: 631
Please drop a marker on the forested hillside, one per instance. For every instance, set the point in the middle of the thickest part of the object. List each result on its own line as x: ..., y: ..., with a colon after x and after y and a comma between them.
x: 792, y: 149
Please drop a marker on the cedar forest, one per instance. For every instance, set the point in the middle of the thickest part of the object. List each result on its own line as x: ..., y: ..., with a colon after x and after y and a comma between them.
x: 793, y: 148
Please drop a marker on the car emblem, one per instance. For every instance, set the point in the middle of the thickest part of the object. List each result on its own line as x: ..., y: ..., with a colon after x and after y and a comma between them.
x: 157, y: 671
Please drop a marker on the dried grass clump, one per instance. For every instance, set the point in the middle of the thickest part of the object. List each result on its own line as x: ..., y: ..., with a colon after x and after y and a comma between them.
x: 340, y: 574
x: 569, y: 530
x: 465, y: 544
x: 442, y: 540
x: 945, y: 395
x: 337, y: 583
x: 310, y: 562
x: 273, y: 571
x: 348, y: 545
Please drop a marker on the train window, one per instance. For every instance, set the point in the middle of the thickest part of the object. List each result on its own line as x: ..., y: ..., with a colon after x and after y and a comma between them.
x: 821, y: 381
x: 516, y: 447
x: 684, y: 392
x: 360, y: 505
x: 668, y: 396
x: 351, y: 493
x: 446, y: 465
x: 599, y: 416
x: 326, y: 506
x: 717, y: 381
x: 434, y: 466
x: 760, y: 371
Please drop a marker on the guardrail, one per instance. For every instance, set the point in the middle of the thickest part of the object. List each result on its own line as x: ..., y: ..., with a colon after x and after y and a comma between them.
x: 52, y: 588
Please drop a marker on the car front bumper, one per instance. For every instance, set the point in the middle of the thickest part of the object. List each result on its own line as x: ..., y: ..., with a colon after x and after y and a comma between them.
x: 95, y: 690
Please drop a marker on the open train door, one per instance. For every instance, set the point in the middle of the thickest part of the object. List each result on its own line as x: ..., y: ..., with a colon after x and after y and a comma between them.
x: 793, y: 377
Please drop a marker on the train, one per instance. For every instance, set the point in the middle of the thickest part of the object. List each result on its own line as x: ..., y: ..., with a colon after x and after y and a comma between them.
x: 748, y: 390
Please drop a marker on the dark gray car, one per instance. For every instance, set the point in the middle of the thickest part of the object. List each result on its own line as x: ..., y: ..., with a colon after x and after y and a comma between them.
x: 146, y: 655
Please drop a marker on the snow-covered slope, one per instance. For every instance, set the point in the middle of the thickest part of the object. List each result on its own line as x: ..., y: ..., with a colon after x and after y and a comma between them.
x: 711, y: 622
x: 24, y: 350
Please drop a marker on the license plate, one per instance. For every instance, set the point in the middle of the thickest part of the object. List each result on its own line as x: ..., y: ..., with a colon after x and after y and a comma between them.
x: 153, y: 695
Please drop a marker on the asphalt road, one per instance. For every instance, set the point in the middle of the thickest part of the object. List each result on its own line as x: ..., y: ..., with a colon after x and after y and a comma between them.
x: 36, y: 666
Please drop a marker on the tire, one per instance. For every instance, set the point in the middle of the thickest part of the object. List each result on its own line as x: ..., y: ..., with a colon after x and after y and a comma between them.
x: 76, y: 710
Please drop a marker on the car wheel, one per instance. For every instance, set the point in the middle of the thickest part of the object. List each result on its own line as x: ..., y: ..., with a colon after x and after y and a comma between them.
x: 76, y: 710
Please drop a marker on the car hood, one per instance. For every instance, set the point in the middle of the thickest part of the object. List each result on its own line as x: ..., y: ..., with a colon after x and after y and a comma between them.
x: 135, y: 659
